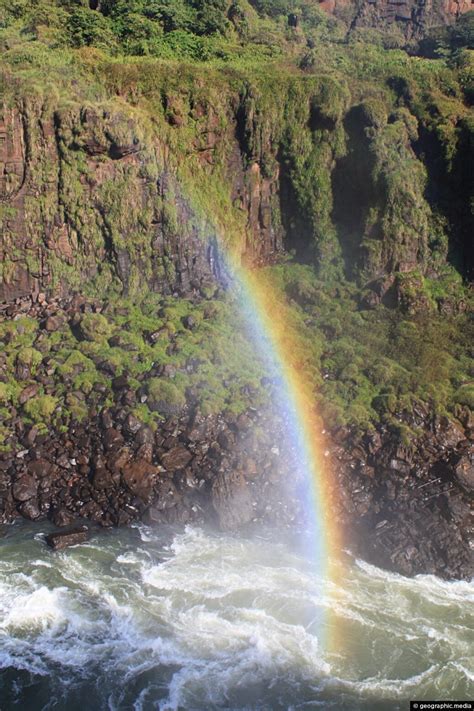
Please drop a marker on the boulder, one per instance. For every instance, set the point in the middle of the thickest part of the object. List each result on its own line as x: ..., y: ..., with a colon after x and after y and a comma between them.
x: 63, y: 539
x: 25, y: 488
x: 139, y: 477
x: 177, y: 458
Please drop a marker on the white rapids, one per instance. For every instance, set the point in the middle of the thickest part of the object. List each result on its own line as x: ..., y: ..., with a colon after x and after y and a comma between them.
x: 144, y: 620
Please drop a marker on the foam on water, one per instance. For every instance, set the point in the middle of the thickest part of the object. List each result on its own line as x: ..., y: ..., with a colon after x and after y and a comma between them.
x: 192, y: 620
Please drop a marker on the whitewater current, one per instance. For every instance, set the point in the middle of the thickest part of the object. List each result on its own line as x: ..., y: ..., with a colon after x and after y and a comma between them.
x: 142, y: 619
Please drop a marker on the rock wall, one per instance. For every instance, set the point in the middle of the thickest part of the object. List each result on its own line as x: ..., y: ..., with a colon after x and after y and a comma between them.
x: 411, y: 18
x: 131, y: 191
x: 90, y: 194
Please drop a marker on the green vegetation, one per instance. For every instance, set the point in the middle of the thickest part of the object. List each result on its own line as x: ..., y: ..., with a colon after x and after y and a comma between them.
x: 372, y: 365
x: 208, y: 363
x: 146, y: 104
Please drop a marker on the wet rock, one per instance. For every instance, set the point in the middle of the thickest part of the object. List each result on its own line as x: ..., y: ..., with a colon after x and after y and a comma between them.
x: 113, y: 439
x: 232, y: 500
x: 177, y: 458
x: 167, y: 495
x: 139, y: 477
x: 63, y: 539
x: 24, y: 488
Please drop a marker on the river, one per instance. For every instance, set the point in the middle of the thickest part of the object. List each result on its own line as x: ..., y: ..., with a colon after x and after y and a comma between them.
x: 146, y: 619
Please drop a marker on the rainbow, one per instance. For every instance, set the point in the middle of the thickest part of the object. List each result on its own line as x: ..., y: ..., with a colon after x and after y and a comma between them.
x: 270, y: 324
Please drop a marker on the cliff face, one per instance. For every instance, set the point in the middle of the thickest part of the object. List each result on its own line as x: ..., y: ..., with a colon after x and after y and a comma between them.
x: 88, y: 193
x: 120, y: 191
x: 125, y: 181
x: 412, y: 18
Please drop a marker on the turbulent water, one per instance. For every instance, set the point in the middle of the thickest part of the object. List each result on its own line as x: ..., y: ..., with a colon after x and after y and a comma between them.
x: 141, y: 620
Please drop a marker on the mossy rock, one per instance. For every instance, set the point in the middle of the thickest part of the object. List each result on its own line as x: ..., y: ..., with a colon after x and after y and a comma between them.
x: 95, y: 327
x: 165, y: 397
x: 4, y: 393
x: 27, y: 362
x: 465, y: 396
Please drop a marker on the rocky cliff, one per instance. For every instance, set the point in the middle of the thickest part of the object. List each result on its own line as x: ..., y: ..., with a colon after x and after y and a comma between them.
x: 118, y: 191
x: 412, y: 19
x: 127, y: 389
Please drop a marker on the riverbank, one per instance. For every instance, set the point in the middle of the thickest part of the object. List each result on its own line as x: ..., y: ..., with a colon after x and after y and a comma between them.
x: 403, y: 504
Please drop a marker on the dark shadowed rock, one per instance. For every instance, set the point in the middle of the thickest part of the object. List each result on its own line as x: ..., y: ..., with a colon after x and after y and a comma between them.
x: 62, y: 517
x: 30, y: 510
x: 63, y: 539
x: 231, y: 500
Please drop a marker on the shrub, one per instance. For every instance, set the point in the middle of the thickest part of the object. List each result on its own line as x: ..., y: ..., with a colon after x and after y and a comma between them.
x: 41, y: 408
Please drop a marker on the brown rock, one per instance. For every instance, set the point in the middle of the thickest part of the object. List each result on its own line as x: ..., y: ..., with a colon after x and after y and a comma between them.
x: 26, y: 487
x: 40, y: 468
x: 177, y: 458
x: 464, y: 472
x: 139, y: 477
x: 63, y: 539
x: 62, y: 517
x: 103, y: 479
x: 30, y: 510
x: 53, y: 323
x: 27, y: 393
x: 113, y: 439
